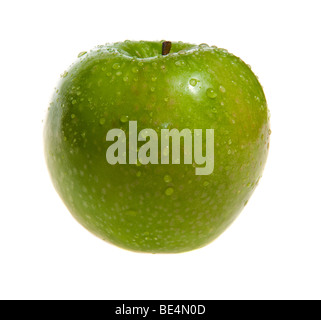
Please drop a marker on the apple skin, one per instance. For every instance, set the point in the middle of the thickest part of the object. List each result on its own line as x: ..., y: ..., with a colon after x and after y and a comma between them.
x: 156, y: 208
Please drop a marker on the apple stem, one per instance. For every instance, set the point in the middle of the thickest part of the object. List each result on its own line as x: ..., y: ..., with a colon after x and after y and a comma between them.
x: 167, y: 45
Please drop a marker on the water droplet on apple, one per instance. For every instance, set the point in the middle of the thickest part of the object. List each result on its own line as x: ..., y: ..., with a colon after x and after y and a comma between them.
x: 125, y: 79
x: 64, y: 75
x: 124, y: 119
x: 116, y: 66
x: 135, y: 70
x: 73, y: 116
x: 230, y: 142
x: 168, y: 178
x: 74, y: 101
x: 222, y: 89
x: 204, y: 45
x: 102, y: 121
x: 193, y: 82
x: 211, y: 93
x: 138, y: 174
x: 270, y: 132
x: 119, y: 73
x: 82, y: 54
x: 206, y: 184
x: 214, y: 110
x: 152, y: 89
x: 169, y: 191
x: 154, y: 79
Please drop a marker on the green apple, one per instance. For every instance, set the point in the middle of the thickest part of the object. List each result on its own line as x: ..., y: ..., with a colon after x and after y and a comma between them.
x: 156, y: 208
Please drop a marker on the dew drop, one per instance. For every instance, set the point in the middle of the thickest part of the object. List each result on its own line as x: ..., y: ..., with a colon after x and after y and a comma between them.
x: 204, y: 45
x: 64, y: 75
x: 82, y: 54
x: 152, y: 89
x: 214, y: 110
x: 102, y: 121
x: 169, y: 191
x: 222, y: 89
x: 168, y: 178
x: 74, y: 101
x: 154, y: 79
x: 119, y: 73
x: 125, y: 79
x: 124, y: 119
x: 193, y: 82
x: 135, y: 70
x: 116, y: 66
x: 211, y: 93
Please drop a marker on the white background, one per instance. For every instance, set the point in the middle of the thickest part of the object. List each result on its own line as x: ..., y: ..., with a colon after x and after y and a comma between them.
x: 272, y: 251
